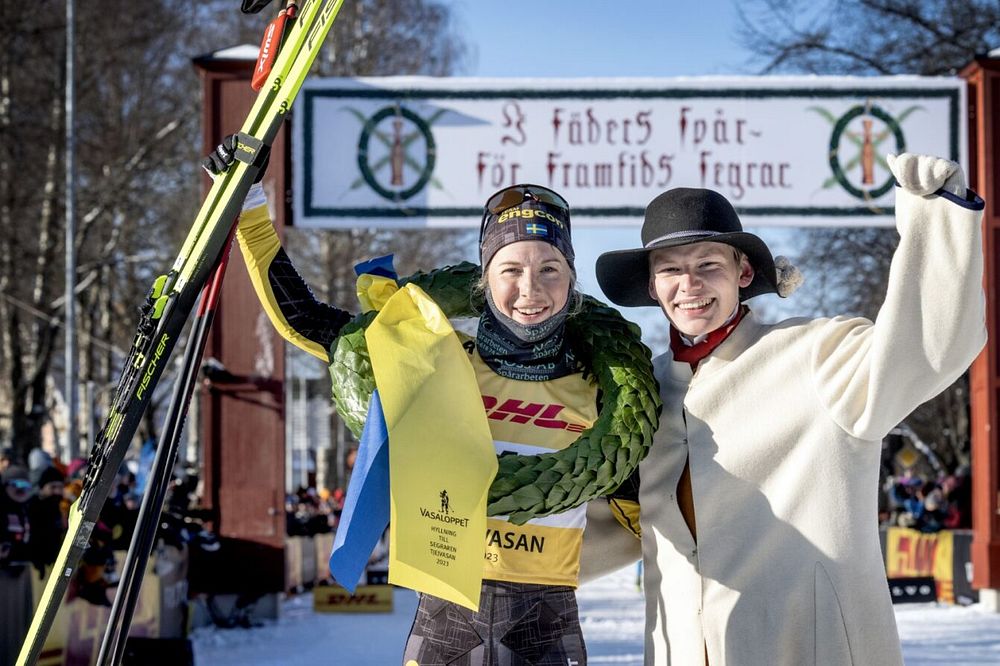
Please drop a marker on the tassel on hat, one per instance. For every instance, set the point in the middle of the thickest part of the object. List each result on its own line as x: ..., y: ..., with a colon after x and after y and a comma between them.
x: 790, y: 278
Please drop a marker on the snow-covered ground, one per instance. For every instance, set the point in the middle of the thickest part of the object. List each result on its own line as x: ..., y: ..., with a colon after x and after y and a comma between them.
x: 611, y: 614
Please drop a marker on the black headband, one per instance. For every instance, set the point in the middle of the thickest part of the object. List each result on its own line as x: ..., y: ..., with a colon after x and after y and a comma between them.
x: 531, y: 220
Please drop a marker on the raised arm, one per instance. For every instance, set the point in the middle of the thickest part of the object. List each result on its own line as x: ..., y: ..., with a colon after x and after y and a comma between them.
x: 290, y: 304
x: 932, y: 324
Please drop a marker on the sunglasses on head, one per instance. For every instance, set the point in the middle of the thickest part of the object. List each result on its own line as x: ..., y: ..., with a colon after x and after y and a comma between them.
x: 511, y: 197
x: 517, y: 194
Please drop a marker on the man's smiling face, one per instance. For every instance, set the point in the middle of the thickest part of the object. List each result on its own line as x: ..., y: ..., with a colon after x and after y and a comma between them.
x: 698, y: 285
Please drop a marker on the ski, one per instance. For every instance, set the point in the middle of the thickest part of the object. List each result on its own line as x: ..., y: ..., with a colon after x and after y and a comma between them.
x: 147, y: 524
x: 172, y: 297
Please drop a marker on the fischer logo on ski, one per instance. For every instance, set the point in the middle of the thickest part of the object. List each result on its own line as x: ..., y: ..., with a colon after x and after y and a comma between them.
x: 320, y: 23
x: 152, y: 366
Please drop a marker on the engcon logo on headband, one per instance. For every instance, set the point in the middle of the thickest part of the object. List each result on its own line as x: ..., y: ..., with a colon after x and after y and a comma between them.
x: 528, y: 214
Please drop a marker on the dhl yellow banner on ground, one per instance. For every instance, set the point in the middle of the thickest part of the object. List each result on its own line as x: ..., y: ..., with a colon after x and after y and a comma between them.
x: 366, y: 599
x: 441, y: 456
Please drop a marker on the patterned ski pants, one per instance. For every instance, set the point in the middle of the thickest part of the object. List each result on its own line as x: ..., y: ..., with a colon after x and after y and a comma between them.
x: 517, y: 625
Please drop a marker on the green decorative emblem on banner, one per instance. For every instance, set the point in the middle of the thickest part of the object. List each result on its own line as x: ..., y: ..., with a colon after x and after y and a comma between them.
x: 856, y: 146
x: 396, y: 152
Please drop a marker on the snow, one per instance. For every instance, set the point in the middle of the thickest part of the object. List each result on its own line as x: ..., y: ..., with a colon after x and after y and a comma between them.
x: 953, y: 635
x: 611, y: 613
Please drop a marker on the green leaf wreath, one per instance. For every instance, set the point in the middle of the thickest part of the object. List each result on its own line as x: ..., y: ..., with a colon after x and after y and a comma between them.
x: 529, y: 486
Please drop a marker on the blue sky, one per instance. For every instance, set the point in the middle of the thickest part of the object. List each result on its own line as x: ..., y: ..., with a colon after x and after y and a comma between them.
x: 628, y: 38
x: 596, y: 38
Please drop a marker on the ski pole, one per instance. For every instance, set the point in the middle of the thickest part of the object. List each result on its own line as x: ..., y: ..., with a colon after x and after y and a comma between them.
x: 133, y: 570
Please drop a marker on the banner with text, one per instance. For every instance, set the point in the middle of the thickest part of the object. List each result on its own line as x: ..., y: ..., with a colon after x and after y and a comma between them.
x: 809, y: 151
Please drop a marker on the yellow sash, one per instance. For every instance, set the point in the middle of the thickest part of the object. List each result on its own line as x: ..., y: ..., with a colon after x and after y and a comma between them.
x: 441, y: 457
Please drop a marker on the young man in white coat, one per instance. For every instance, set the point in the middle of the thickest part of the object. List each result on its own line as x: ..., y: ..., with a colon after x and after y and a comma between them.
x: 759, y: 495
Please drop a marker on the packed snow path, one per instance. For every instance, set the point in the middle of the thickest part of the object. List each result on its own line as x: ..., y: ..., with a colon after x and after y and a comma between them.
x: 610, y: 612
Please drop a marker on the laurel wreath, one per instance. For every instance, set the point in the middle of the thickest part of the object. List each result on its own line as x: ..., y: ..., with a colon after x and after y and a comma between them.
x: 530, y: 486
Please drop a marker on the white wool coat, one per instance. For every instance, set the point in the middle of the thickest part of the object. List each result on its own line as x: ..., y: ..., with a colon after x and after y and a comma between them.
x: 783, y: 424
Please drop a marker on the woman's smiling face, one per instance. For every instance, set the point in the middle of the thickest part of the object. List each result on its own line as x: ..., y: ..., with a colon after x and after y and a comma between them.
x: 529, y: 281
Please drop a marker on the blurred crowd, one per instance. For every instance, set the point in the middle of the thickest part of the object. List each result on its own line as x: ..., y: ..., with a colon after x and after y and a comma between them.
x: 34, y: 510
x: 928, y: 505
x: 34, y: 504
x: 309, y: 511
x: 908, y: 500
x: 34, y: 507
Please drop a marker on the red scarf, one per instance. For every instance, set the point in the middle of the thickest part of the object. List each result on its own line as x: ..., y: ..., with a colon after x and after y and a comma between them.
x: 694, y: 353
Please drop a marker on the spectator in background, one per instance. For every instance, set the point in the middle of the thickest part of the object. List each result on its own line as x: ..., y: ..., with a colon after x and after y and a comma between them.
x: 957, y: 490
x: 96, y: 568
x: 309, y: 512
x: 928, y: 506
x: 7, y: 458
x: 326, y: 509
x: 75, y: 472
x: 337, y: 507
x: 76, y: 469
x: 183, y: 489
x: 121, y: 509
x: 912, y: 506
x: 15, y: 555
x: 933, y: 509
x: 51, y: 483
x: 47, y: 519
x: 290, y: 524
x: 921, y: 505
x: 38, y: 462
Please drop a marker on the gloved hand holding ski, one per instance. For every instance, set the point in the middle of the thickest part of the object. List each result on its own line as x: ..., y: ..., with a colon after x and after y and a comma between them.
x: 219, y: 160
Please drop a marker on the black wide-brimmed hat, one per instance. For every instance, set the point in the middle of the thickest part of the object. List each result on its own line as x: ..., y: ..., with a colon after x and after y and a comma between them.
x: 683, y: 216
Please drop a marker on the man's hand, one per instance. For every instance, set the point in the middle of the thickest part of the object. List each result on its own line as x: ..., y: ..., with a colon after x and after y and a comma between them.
x: 223, y: 157
x: 924, y: 174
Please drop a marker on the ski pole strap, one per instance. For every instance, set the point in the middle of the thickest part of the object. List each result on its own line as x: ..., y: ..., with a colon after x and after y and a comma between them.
x: 270, y: 45
x: 254, y: 6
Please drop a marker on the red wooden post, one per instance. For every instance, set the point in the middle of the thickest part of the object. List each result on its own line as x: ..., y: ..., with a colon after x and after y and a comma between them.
x: 243, y: 415
x: 983, y: 77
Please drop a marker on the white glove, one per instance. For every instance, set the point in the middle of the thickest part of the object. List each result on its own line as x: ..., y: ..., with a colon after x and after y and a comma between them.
x: 924, y: 174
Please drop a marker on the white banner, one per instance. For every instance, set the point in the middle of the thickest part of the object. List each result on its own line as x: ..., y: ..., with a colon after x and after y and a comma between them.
x: 810, y: 151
